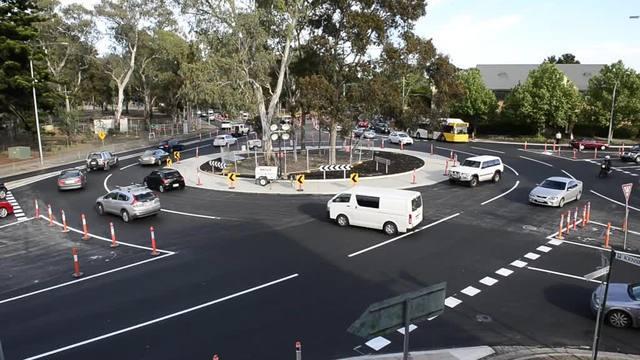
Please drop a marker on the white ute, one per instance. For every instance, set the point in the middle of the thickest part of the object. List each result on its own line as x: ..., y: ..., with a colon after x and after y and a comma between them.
x: 476, y: 169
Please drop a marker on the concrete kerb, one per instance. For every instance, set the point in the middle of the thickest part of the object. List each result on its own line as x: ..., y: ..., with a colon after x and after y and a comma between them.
x: 430, y: 173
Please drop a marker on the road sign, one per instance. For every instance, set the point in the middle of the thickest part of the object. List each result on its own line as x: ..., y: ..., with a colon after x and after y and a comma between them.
x: 176, y: 155
x: 335, y: 167
x: 102, y: 135
x: 354, y: 178
x: 626, y: 189
x: 217, y: 164
x: 628, y: 258
x: 169, y: 162
x: 232, y: 176
x: 300, y: 179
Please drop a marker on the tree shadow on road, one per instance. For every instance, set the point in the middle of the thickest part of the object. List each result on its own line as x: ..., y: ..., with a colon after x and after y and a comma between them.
x: 571, y: 298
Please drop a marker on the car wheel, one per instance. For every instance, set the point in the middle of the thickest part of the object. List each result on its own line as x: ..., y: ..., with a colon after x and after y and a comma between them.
x: 579, y: 195
x: 161, y: 188
x: 124, y: 214
x: 263, y: 181
x: 342, y: 220
x: 561, y: 203
x: 100, y: 209
x: 390, y: 228
x: 637, y: 160
x: 496, y: 177
x: 581, y: 147
x: 3, y: 212
x: 473, y: 182
x: 619, y: 319
x: 106, y: 167
x: 3, y: 194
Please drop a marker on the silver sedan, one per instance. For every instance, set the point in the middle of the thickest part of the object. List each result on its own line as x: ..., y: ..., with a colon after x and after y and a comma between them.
x: 623, y: 304
x: 70, y: 179
x: 556, y: 191
x: 153, y: 157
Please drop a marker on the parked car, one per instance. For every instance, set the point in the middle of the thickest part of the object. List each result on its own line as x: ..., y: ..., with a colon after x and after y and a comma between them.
x: 129, y: 202
x: 632, y: 154
x: 5, y: 209
x: 389, y: 210
x: 369, y: 134
x: 101, y: 160
x: 3, y: 191
x: 169, y: 146
x: 254, y: 144
x: 224, y: 140
x: 164, y: 179
x: 359, y: 131
x: 70, y: 179
x: 153, y: 157
x: 476, y: 169
x: 556, y: 191
x: 400, y: 137
x: 622, y: 309
x: 381, y: 128
x: 588, y: 144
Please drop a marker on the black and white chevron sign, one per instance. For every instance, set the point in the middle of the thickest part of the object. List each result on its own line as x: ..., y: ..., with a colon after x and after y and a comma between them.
x: 217, y: 164
x: 335, y: 167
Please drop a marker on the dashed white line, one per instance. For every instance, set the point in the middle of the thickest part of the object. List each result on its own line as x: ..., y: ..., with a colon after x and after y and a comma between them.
x: 562, y: 274
x: 503, y: 194
x: 452, y: 302
x: 166, y: 317
x: 488, y: 280
x: 403, y: 235
x: 543, y: 248
x: 554, y: 242
x: 538, y: 161
x: 485, y: 149
x: 613, y: 201
x: 569, y: 175
x: 411, y: 328
x: 504, y: 272
x: 519, y: 263
x: 470, y: 291
x: 376, y: 343
x: 532, y: 256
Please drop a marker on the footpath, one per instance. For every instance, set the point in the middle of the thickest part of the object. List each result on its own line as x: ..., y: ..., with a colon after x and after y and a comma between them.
x: 432, y: 172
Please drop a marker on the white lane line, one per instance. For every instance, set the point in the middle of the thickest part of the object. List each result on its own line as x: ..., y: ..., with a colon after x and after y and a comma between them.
x: 470, y: 291
x: 613, y: 201
x: 503, y: 194
x: 538, y: 161
x: 569, y: 175
x: 377, y: 343
x: 488, y: 280
x: 504, y: 272
x: 512, y: 169
x: 598, y: 273
x: 562, y: 274
x: 613, y: 227
x: 194, y: 215
x: 105, y: 239
x: 532, y: 256
x: 491, y: 150
x: 456, y: 151
x: 411, y: 328
x: 150, y: 322
x: 452, y: 302
x: 15, y: 223
x: 403, y: 235
x: 543, y: 248
x: 629, y: 167
x: 518, y: 263
x: 105, y: 182
x: 554, y: 242
x: 128, y: 166
x: 85, y: 278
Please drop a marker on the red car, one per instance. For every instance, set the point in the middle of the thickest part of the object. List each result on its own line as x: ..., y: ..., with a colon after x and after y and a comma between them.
x: 589, y: 143
x: 5, y: 209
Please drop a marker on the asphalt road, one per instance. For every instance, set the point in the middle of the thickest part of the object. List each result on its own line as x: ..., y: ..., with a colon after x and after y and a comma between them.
x: 248, y: 275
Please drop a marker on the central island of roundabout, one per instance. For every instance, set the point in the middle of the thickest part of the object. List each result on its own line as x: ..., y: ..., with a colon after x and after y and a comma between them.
x: 377, y: 167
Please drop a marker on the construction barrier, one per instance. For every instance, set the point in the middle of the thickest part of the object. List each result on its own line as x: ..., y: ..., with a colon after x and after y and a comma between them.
x: 413, y: 177
x: 584, y: 216
x: 574, y: 154
x: 114, y: 242
x: 446, y: 168
x: 76, y: 264
x: 215, y: 357
x: 298, y: 350
x: 568, y: 222
x: 154, y: 250
x: 607, y: 234
x: 588, y: 211
x: 561, y: 227
x: 37, y: 208
x: 595, y: 153
x: 85, y: 228
x: 575, y: 220
x: 50, y: 215
x: 401, y: 145
x: 64, y: 222
x: 525, y: 146
x: 199, y: 183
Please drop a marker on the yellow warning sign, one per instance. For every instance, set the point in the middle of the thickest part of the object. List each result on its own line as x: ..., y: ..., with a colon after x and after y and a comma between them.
x: 354, y: 178
x: 176, y: 155
x: 102, y: 135
x: 232, y: 176
x: 169, y: 162
x: 300, y: 179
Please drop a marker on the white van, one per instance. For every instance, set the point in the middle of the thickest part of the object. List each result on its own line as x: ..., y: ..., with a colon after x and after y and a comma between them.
x: 389, y: 210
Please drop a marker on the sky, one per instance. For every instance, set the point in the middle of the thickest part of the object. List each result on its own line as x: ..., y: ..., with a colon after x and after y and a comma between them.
x: 476, y: 32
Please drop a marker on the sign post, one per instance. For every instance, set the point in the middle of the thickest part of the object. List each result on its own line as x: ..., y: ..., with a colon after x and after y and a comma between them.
x: 102, y: 135
x: 626, y: 189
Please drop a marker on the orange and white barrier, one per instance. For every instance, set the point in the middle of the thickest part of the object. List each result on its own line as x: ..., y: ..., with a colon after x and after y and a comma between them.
x: 575, y: 220
x: 85, y: 228
x: 607, y: 234
x: 446, y: 168
x: 584, y: 216
x: 37, y: 208
x: 50, y: 213
x: 114, y: 242
x: 595, y: 153
x: 76, y: 263
x: 561, y: 228
x: 154, y: 250
x: 401, y: 145
x: 525, y: 146
x: 568, y: 222
x: 588, y: 211
x: 413, y: 177
x: 64, y: 222
x: 199, y: 183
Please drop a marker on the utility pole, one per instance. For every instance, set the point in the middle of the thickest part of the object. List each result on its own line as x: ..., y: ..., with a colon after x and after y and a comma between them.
x: 403, y: 94
x: 35, y: 109
x: 613, y: 104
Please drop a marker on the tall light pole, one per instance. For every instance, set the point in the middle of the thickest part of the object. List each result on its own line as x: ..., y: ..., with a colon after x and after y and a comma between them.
x: 35, y: 109
x: 613, y: 104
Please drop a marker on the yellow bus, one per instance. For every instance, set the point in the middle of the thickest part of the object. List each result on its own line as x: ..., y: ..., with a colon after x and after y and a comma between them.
x: 454, y: 130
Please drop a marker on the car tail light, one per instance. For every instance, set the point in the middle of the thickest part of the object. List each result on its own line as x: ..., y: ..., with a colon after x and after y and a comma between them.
x: 410, y: 219
x: 60, y: 182
x: 164, y: 181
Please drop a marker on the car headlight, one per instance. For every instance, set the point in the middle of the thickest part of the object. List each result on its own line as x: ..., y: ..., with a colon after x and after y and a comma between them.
x: 465, y: 176
x: 553, y: 198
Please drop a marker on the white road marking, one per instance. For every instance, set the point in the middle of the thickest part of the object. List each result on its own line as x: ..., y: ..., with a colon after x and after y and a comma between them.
x: 598, y: 273
x: 105, y: 239
x: 403, y: 235
x: 518, y: 263
x: 105, y: 182
x: 377, y: 343
x: 128, y: 166
x: 456, y: 151
x: 485, y: 149
x: 84, y: 278
x: 532, y: 256
x: 470, y: 291
x: 613, y: 201
x: 569, y: 175
x: 629, y: 167
x: 538, y: 161
x: 150, y: 322
x: 503, y: 194
x: 543, y: 248
x: 554, y: 242
x: 562, y: 274
x: 488, y: 280
x: 504, y: 272
x: 452, y: 302
x: 512, y: 169
x: 411, y: 328
x: 613, y: 227
x: 15, y: 223
x: 194, y: 215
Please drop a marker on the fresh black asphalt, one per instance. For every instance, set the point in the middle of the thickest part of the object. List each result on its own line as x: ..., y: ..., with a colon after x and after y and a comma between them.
x: 256, y: 239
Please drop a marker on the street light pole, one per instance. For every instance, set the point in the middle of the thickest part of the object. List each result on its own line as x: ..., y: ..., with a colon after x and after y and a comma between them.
x: 613, y: 104
x: 35, y: 109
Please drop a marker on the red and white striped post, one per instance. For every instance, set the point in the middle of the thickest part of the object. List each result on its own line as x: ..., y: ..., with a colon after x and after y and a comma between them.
x: 215, y: 357
x: 561, y: 228
x: 588, y: 211
x: 584, y: 216
x: 413, y: 177
x: 545, y: 146
x: 76, y: 264
x: 525, y: 146
x: 85, y: 228
x: 554, y: 147
x: 431, y: 149
x: 382, y: 144
x: 37, y: 208
x: 197, y: 147
x: 606, y: 236
x: 401, y: 145
x: 50, y: 215
x: 298, y: 350
x: 595, y: 153
x: 575, y: 219
x: 446, y: 167
x: 154, y: 250
x: 568, y: 222
x: 114, y: 242
x: 64, y: 222
x: 451, y: 155
x: 574, y: 154
x: 199, y: 183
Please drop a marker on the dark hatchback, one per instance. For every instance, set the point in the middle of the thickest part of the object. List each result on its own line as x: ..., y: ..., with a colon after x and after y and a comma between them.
x: 164, y: 179
x: 170, y: 146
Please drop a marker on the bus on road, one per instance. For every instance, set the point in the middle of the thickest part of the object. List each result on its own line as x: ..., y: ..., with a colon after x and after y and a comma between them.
x: 451, y: 130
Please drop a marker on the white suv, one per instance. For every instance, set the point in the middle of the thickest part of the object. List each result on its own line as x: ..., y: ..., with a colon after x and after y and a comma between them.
x: 476, y: 169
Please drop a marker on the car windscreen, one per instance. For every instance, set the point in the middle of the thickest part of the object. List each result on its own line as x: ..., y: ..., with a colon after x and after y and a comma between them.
x: 416, y: 203
x: 171, y: 175
x: 95, y: 156
x: 635, y: 148
x: 402, y: 135
x: 471, y: 163
x: 147, y: 196
x: 148, y: 153
x: 553, y: 184
x: 70, y: 174
x: 220, y: 137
